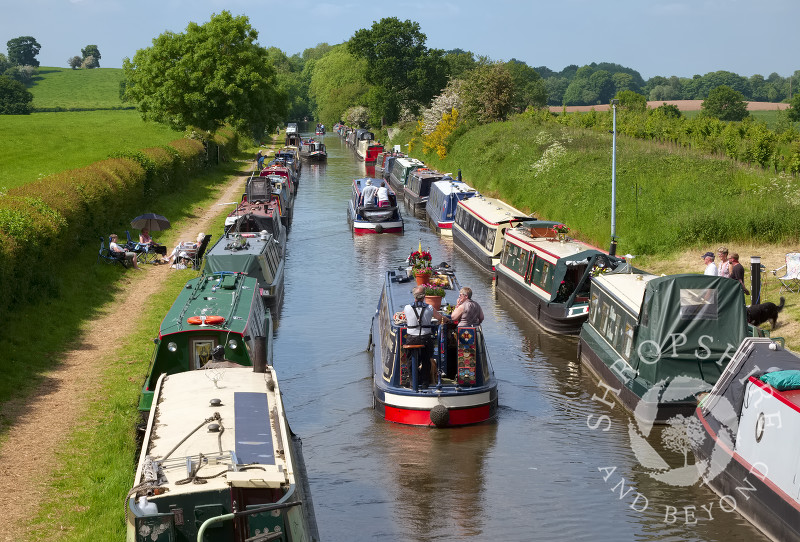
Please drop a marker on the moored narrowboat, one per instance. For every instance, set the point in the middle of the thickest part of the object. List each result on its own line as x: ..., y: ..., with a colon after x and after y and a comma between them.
x: 418, y: 188
x: 658, y: 342
x: 745, y: 441
x: 367, y: 217
x: 216, y: 309
x: 293, y: 135
x: 463, y: 387
x: 260, y: 209
x: 365, y: 145
x: 220, y: 462
x: 401, y: 168
x: 547, y: 277
x: 442, y: 203
x: 257, y: 255
x: 480, y: 225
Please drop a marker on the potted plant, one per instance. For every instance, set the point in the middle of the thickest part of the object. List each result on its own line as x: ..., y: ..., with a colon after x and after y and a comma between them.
x: 561, y: 231
x: 420, y: 262
x: 433, y: 295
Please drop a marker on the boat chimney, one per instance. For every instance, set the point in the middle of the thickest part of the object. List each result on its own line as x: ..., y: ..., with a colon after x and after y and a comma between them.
x: 259, y: 354
x: 755, y: 279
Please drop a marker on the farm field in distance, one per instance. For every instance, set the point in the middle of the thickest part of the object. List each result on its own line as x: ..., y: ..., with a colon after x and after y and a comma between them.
x: 41, y: 144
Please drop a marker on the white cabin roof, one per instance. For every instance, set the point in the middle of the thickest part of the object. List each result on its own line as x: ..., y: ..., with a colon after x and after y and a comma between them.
x: 627, y: 288
x: 183, y: 401
x: 450, y: 186
x: 522, y: 236
x: 491, y: 210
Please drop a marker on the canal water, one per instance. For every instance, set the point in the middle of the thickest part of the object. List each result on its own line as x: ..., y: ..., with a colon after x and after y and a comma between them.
x: 558, y: 462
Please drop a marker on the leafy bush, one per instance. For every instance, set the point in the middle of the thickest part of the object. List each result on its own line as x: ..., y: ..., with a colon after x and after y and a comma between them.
x: 14, y: 97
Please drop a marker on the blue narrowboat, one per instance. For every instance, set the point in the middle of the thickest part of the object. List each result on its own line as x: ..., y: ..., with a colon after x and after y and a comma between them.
x: 442, y: 203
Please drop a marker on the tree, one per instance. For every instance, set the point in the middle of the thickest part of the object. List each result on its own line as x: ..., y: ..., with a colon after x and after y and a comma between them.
x: 4, y: 63
x: 337, y: 84
x: 22, y: 51
x: 213, y: 74
x: 15, y: 99
x: 631, y: 100
x: 93, y: 51
x: 488, y: 93
x: 529, y: 89
x: 398, y: 61
x: 725, y: 103
x: 90, y: 62
x: 74, y: 62
x: 794, y: 110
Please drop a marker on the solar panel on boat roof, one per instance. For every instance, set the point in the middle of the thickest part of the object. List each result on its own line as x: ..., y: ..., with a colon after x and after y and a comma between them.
x: 253, y: 433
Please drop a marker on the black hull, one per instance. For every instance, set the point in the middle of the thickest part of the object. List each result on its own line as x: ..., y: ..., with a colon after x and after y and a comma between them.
x: 765, y: 508
x: 550, y: 316
x: 470, y: 250
x: 626, y: 397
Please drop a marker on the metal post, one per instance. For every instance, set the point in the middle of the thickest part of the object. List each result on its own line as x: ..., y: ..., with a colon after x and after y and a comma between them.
x: 755, y: 280
x: 613, y: 249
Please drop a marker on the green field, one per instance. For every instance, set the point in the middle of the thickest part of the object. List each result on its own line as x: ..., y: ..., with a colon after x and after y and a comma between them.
x: 41, y: 144
x: 77, y: 89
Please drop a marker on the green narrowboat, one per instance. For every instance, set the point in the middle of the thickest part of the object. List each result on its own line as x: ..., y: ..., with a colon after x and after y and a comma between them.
x: 217, y: 309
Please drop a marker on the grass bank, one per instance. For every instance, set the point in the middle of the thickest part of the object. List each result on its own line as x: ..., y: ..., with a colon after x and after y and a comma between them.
x: 40, y: 144
x: 65, y: 88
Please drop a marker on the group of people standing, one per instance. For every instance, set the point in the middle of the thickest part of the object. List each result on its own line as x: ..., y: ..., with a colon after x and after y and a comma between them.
x: 420, y: 317
x: 729, y: 266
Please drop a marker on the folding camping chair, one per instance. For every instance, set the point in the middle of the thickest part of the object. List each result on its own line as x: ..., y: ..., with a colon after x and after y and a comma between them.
x: 791, y: 279
x: 109, y: 256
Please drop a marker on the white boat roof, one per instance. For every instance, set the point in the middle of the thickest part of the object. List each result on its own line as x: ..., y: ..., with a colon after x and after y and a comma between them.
x: 549, y: 244
x: 406, y: 161
x: 491, y: 210
x: 248, y: 411
x: 450, y: 186
x: 627, y: 288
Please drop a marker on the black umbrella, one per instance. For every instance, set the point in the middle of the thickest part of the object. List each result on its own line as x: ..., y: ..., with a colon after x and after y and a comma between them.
x: 151, y: 221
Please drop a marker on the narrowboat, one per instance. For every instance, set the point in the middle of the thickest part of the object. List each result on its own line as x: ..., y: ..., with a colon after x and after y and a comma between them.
x: 257, y: 255
x: 418, y: 188
x: 260, y: 209
x: 387, y: 163
x: 314, y: 151
x: 369, y: 218
x: 660, y: 341
x: 320, y: 129
x: 366, y: 147
x: 480, y: 226
x: 463, y: 387
x: 442, y: 203
x: 215, y: 309
x: 220, y: 462
x: 293, y: 135
x: 548, y: 277
x: 291, y: 159
x: 747, y: 435
x: 401, y: 167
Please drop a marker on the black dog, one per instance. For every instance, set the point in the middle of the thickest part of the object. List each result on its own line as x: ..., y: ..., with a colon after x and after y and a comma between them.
x: 758, y: 314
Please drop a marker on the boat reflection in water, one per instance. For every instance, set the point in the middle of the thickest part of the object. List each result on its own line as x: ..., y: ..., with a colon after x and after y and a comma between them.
x: 427, y: 467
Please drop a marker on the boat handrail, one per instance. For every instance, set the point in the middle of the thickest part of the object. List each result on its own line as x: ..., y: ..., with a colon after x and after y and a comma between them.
x: 280, y: 505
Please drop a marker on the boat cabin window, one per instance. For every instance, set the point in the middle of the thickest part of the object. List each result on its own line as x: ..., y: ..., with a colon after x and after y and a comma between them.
x: 473, y: 227
x: 612, y: 322
x: 542, y: 273
x: 698, y: 304
x: 515, y: 258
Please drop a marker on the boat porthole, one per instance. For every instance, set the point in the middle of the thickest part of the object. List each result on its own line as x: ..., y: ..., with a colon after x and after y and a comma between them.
x: 760, y: 422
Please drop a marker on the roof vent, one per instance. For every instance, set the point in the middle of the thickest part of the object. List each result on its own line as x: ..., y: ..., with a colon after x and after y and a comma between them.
x: 215, y: 402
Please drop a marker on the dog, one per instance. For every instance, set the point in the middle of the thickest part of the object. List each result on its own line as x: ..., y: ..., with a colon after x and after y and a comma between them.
x: 758, y: 314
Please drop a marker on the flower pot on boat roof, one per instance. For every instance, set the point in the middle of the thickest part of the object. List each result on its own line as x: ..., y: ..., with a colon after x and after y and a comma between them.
x: 423, y: 274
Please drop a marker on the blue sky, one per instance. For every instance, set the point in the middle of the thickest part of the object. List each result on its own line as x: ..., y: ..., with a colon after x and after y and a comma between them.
x: 654, y: 37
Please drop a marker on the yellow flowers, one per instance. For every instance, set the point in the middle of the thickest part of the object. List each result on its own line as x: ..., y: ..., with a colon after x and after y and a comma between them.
x: 437, y: 139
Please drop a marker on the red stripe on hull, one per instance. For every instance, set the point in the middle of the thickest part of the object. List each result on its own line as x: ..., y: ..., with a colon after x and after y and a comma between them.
x: 447, y: 226
x: 359, y: 231
x: 462, y: 416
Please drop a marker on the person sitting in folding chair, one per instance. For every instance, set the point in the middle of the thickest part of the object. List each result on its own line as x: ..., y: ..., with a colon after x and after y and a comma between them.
x: 129, y: 256
x: 151, y: 246
x: 185, y: 251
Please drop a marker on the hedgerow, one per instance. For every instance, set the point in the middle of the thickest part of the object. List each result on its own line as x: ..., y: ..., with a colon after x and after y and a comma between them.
x: 42, y: 221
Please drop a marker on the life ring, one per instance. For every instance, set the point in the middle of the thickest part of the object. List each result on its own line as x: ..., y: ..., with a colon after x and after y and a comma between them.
x: 209, y: 319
